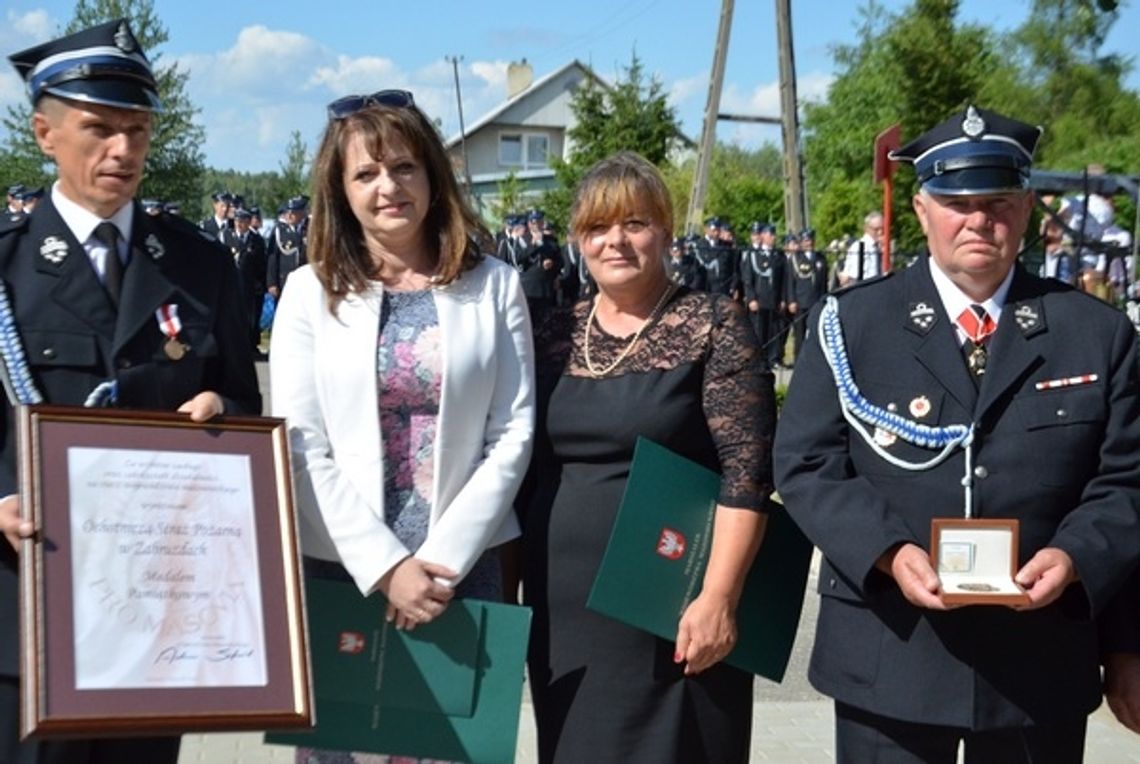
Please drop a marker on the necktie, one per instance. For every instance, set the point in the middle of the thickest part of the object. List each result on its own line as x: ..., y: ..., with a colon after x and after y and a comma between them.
x: 977, y: 325
x: 108, y: 236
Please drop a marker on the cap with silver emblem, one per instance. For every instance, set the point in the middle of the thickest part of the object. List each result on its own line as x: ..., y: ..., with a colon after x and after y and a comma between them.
x: 972, y: 153
x: 102, y: 64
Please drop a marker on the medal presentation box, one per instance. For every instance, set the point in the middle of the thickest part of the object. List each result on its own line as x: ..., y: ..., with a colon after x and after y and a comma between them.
x: 976, y: 561
x: 161, y: 592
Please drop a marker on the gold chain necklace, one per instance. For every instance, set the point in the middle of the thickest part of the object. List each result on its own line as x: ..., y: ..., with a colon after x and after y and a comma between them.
x: 636, y: 335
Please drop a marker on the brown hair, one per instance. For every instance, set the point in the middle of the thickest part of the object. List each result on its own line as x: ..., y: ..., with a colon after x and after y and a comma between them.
x: 336, y: 239
x: 620, y: 185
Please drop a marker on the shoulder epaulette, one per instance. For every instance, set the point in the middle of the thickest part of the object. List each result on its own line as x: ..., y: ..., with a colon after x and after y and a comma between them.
x: 180, y: 225
x: 12, y: 221
x: 865, y: 282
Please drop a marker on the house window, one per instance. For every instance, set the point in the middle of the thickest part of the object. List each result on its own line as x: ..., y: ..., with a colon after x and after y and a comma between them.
x: 526, y: 150
x: 511, y: 150
x: 536, y: 150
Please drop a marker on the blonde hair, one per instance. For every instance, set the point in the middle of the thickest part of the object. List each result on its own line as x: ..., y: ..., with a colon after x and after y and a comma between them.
x: 336, y: 239
x: 620, y: 185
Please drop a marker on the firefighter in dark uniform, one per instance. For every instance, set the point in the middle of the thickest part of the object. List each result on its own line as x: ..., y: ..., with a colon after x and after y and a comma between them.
x: 31, y: 199
x: 574, y: 280
x: 87, y: 277
x: 762, y: 271
x: 221, y: 219
x: 250, y: 259
x: 805, y: 284
x: 287, y: 245
x: 964, y: 387
x: 681, y: 265
x: 538, y: 261
x: 717, y: 260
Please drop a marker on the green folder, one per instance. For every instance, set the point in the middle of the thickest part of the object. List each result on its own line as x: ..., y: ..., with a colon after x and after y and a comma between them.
x: 451, y: 689
x: 655, y: 561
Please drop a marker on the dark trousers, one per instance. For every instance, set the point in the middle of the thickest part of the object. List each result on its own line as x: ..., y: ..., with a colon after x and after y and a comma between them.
x: 799, y: 329
x: 767, y: 325
x: 152, y: 750
x: 862, y: 737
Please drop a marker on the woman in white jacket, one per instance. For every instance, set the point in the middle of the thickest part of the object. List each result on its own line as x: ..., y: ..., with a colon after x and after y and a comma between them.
x: 402, y: 359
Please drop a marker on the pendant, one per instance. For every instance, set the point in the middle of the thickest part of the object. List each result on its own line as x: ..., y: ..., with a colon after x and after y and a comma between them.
x: 174, y: 349
x: 977, y: 360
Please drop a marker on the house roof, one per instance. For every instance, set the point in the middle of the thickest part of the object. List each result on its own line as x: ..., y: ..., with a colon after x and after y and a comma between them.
x: 527, y: 92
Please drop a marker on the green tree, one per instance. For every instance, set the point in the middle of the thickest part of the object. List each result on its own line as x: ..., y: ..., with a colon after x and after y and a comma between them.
x: 295, y: 167
x: 920, y: 65
x: 914, y: 67
x: 508, y: 199
x: 632, y: 115
x: 746, y: 185
x: 1077, y: 93
x: 175, y: 163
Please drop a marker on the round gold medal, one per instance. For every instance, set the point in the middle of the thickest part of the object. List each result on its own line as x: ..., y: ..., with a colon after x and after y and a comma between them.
x: 174, y: 349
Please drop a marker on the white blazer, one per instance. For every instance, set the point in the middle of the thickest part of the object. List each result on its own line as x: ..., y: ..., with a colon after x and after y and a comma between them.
x: 323, y: 381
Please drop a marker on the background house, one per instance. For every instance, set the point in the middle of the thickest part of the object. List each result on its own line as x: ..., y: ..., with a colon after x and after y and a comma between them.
x: 521, y: 136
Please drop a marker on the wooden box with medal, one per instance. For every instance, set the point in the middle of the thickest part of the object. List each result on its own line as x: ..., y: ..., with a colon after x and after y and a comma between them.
x: 976, y: 560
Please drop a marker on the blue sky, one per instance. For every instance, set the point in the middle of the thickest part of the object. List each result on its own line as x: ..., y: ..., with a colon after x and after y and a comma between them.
x: 259, y: 70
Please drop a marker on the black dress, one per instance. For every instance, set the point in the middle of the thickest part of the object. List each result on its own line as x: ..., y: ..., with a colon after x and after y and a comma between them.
x: 694, y: 383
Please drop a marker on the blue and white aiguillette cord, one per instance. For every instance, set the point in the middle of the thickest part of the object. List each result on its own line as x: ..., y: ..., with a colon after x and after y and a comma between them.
x: 18, y: 383
x: 861, y: 413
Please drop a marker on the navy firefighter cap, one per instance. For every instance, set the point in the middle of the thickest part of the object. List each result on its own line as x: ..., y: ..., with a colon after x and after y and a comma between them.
x: 974, y: 152
x: 101, y: 64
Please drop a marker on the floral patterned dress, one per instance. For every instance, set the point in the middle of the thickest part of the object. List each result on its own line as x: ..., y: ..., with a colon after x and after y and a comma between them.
x: 409, y: 373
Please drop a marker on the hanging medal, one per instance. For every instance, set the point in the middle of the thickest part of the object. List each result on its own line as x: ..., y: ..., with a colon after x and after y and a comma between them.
x: 170, y: 326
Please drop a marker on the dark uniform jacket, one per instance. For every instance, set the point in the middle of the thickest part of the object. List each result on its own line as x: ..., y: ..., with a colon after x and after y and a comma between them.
x: 684, y: 271
x: 718, y: 266
x: 574, y: 279
x: 1062, y: 461
x: 762, y: 274
x: 74, y: 340
x: 251, y: 262
x: 210, y: 226
x: 285, y: 254
x: 805, y: 279
x: 527, y: 256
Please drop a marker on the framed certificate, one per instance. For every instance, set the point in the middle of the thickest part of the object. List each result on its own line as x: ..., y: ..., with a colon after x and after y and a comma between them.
x: 976, y: 561
x: 162, y: 590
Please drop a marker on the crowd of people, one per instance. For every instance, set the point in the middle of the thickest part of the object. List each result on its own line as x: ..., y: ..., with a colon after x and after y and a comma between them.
x: 463, y: 415
x: 777, y: 283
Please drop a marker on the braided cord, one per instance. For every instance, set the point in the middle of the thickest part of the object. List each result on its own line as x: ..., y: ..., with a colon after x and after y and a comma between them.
x: 859, y: 412
x: 23, y: 387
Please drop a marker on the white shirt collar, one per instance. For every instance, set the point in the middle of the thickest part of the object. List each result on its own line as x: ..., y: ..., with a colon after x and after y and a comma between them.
x: 954, y: 300
x: 81, y: 222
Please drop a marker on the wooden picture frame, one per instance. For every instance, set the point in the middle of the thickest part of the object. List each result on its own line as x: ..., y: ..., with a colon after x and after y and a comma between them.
x: 161, y: 592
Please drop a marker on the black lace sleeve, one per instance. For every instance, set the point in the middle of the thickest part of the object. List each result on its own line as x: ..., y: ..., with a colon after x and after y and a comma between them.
x: 740, y: 407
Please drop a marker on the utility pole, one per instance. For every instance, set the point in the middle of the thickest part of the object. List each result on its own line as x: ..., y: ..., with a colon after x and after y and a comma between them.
x: 708, y: 133
x: 462, y: 130
x: 793, y: 173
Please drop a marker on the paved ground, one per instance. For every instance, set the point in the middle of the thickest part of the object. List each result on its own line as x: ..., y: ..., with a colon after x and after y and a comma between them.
x: 792, y: 724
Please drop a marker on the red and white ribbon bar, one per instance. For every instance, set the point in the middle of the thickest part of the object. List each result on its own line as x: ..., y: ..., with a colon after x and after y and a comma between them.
x: 168, y: 321
x: 1052, y: 384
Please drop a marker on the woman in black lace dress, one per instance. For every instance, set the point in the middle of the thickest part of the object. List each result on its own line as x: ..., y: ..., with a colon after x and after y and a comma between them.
x: 681, y: 367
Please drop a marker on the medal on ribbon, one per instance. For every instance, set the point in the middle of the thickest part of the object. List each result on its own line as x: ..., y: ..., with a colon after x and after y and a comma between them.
x: 170, y: 326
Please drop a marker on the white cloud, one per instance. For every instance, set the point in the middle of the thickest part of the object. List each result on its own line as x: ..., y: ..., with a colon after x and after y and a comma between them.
x: 814, y: 86
x: 11, y: 89
x: 686, y: 88
x: 244, y: 64
x: 17, y: 32
x: 36, y: 26
x: 366, y: 74
x: 492, y: 73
